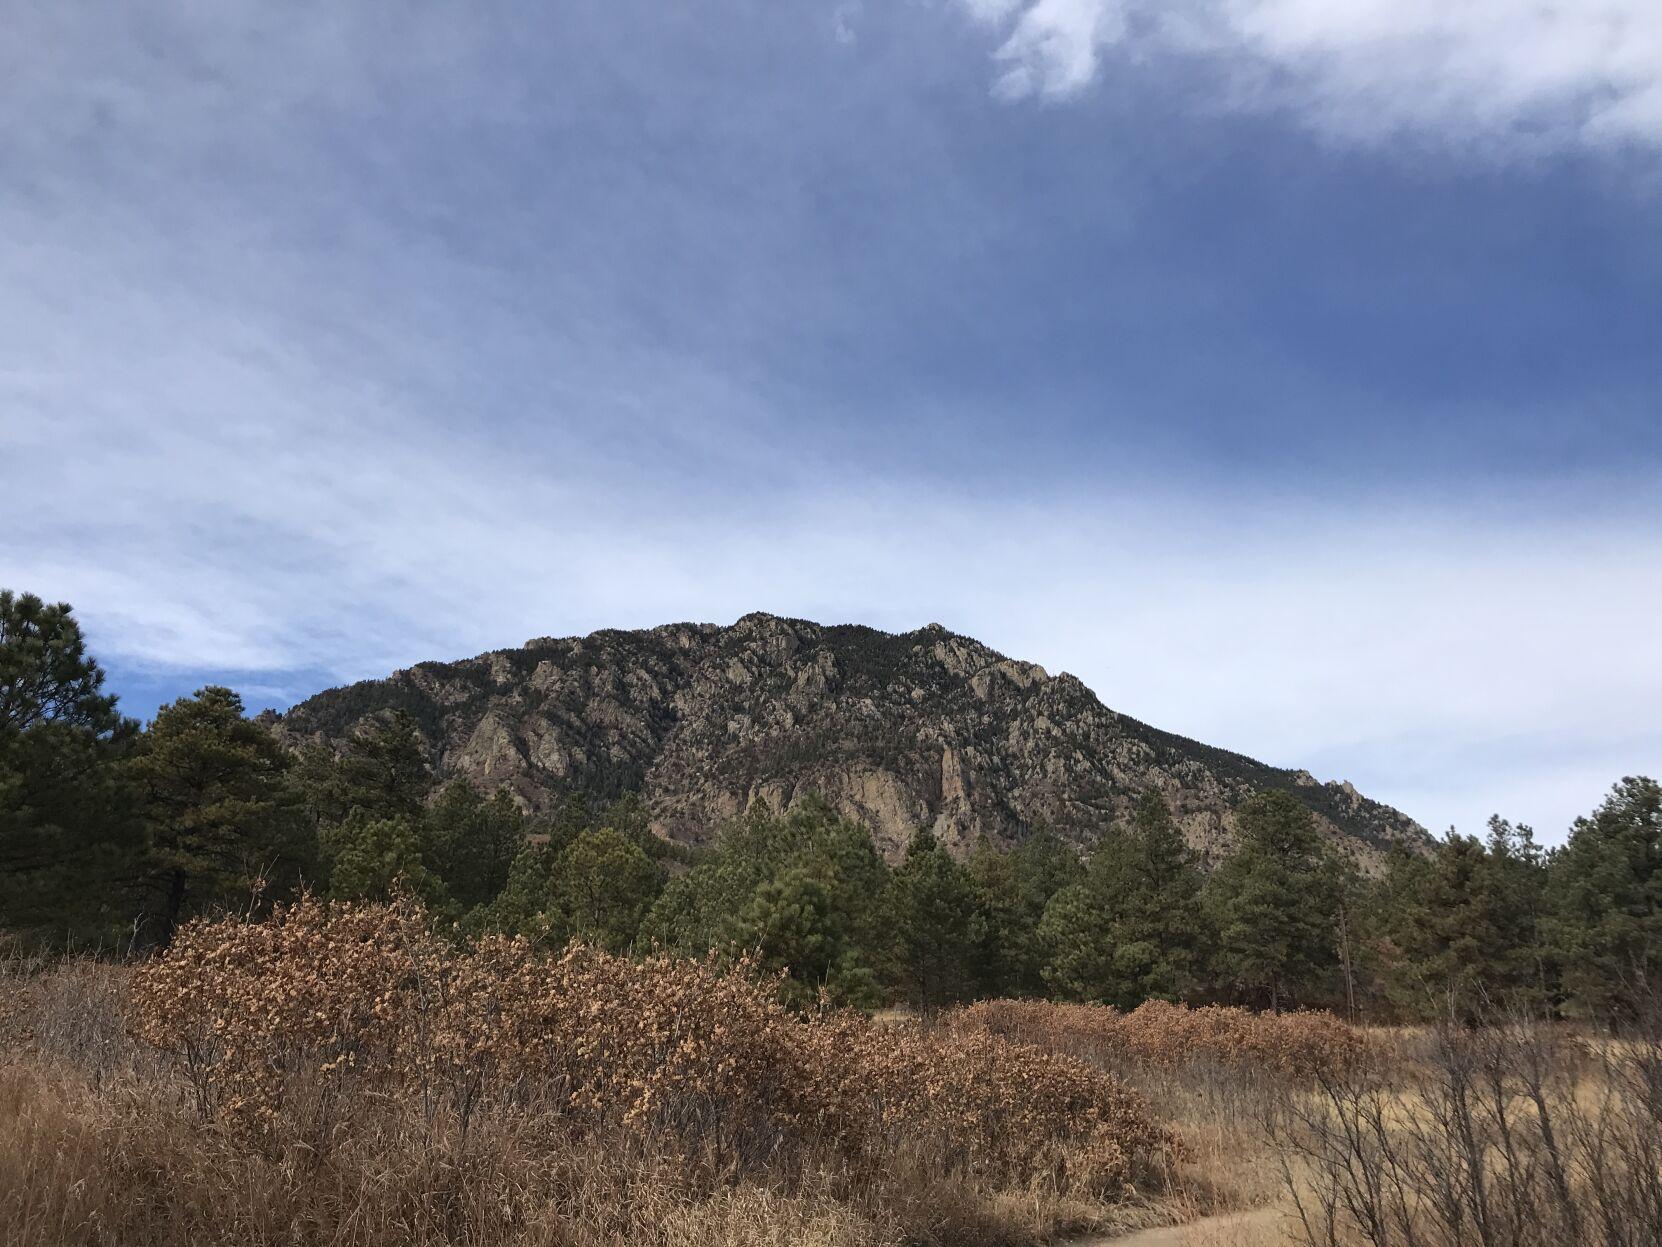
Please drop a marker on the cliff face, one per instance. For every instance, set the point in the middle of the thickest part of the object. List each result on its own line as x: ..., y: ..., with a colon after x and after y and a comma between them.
x: 921, y: 729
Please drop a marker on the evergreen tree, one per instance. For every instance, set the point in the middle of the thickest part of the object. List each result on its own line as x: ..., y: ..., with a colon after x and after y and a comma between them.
x: 374, y: 859
x: 220, y: 817
x: 1008, y: 960
x: 1464, y: 924
x: 382, y: 771
x: 1607, y: 894
x: 803, y: 890
x: 1134, y: 928
x: 604, y: 884
x: 695, y: 912
x: 526, y: 905
x: 66, y: 836
x: 1274, y: 904
x: 796, y: 922
x: 469, y: 842
x: 1013, y: 890
x: 939, y: 927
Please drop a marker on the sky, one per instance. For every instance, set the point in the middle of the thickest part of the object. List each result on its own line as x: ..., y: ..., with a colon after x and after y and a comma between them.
x: 1288, y: 370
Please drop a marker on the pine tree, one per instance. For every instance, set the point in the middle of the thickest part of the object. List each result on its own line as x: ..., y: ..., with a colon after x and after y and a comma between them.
x: 938, y: 924
x: 805, y: 891
x: 375, y: 859
x: 604, y: 884
x: 796, y: 922
x: 526, y: 904
x: 1008, y: 960
x: 220, y: 817
x: 1607, y: 902
x: 1274, y: 904
x: 1013, y: 890
x: 66, y: 834
x: 469, y: 842
x: 1133, y: 929
x: 382, y: 771
x: 1464, y: 924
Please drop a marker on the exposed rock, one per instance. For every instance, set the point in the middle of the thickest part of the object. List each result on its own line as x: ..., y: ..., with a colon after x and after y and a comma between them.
x: 918, y: 729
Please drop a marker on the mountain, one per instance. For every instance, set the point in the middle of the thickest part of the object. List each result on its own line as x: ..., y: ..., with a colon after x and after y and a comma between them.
x: 918, y: 729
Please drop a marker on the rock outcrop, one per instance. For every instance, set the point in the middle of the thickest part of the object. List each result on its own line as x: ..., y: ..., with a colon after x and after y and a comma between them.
x: 921, y: 729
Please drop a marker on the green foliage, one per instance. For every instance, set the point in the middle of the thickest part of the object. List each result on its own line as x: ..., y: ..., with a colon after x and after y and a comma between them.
x: 221, y: 821
x: 1013, y: 889
x: 792, y: 923
x: 377, y: 859
x: 1464, y: 925
x: 1275, y: 904
x: 1607, y: 901
x: 377, y: 821
x: 46, y: 676
x: 382, y: 771
x: 604, y: 884
x: 1133, y: 929
x: 67, y: 838
x: 469, y: 842
x: 802, y: 892
x: 939, y: 925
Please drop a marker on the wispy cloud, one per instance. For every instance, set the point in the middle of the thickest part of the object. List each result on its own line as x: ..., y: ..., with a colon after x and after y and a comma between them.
x: 1405, y: 651
x: 1514, y: 72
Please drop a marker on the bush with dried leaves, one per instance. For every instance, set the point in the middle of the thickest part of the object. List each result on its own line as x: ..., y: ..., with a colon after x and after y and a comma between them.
x: 1299, y: 1045
x: 303, y: 1023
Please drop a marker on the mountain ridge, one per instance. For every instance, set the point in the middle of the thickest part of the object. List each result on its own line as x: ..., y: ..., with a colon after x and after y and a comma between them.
x: 901, y: 730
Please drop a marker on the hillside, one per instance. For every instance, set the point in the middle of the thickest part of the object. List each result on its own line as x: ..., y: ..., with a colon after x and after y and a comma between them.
x: 923, y: 728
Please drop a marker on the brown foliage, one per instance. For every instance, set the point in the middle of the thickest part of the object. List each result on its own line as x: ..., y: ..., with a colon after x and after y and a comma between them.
x: 301, y: 1026
x: 1300, y: 1045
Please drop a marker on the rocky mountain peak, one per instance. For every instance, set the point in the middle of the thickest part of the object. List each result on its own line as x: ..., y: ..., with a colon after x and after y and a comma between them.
x: 918, y: 729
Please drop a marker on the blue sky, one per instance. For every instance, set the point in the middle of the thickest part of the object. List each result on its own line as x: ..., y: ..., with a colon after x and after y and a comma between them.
x: 1290, y: 372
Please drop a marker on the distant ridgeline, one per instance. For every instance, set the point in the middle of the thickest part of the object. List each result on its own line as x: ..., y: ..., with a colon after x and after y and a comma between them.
x: 923, y: 729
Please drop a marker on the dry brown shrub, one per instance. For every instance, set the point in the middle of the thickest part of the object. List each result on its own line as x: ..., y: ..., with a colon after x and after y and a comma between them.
x: 300, y: 1027
x: 1006, y: 1110
x: 1299, y: 1045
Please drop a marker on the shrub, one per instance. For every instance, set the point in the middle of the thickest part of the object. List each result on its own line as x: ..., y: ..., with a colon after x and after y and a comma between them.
x: 302, y: 1023
x: 1299, y: 1045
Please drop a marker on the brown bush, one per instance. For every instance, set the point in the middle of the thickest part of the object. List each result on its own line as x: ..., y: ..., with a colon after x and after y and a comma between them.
x: 1008, y: 1110
x: 301, y: 1026
x: 1300, y: 1045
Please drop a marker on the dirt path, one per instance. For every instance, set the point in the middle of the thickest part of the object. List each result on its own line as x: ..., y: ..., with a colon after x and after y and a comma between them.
x: 1257, y: 1228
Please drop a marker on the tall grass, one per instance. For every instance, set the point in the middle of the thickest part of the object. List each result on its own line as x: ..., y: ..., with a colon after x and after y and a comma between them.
x: 1518, y: 1133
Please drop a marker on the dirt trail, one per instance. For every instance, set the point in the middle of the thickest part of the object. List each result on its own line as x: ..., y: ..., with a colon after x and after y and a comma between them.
x: 1255, y: 1228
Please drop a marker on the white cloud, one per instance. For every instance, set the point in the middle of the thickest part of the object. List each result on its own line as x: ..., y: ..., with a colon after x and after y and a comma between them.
x: 1517, y: 72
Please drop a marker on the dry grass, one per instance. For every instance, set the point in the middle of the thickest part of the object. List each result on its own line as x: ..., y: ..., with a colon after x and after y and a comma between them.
x: 340, y: 1077
x: 1516, y: 1134
x: 1521, y: 1133
x: 1214, y: 1074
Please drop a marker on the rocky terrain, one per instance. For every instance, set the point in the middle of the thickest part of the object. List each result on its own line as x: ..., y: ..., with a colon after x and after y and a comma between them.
x: 921, y: 729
